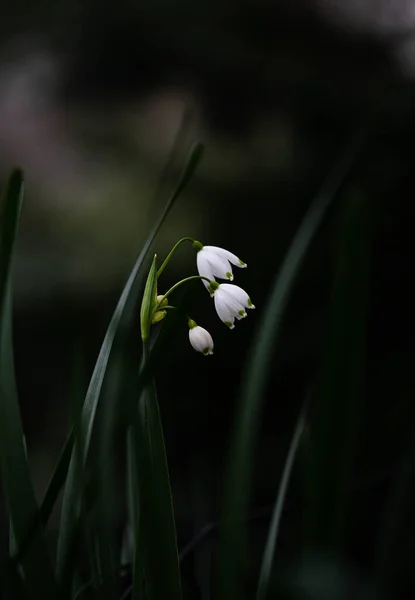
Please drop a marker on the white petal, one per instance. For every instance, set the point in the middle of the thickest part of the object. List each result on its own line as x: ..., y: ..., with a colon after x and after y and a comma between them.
x: 227, y: 255
x: 235, y: 307
x: 204, y: 268
x: 224, y: 313
x: 236, y: 293
x: 227, y: 307
x: 220, y: 266
x: 201, y: 340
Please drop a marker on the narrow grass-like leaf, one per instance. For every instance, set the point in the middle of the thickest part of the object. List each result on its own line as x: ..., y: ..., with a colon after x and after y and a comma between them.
x: 53, y: 489
x: 105, y: 478
x: 339, y: 392
x: 156, y: 514
x: 118, y: 326
x: 11, y: 583
x: 151, y: 508
x: 16, y: 478
x: 58, y: 477
x: 134, y: 508
x: 232, y: 540
x: 268, y: 558
x: 395, y: 545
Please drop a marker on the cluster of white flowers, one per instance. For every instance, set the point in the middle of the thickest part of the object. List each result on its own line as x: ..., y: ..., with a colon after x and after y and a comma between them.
x: 230, y: 300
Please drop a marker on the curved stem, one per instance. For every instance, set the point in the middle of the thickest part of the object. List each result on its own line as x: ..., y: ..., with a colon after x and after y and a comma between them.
x: 172, y: 251
x: 176, y: 285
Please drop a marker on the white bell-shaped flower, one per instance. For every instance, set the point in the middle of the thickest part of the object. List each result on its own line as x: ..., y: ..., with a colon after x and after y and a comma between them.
x: 230, y: 302
x: 200, y: 339
x: 215, y: 262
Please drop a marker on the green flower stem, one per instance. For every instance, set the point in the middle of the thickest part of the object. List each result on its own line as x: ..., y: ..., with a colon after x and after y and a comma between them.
x: 172, y: 251
x: 178, y: 284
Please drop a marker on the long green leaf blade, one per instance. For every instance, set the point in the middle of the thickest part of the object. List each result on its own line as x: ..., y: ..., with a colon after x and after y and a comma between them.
x: 56, y: 483
x: 16, y: 478
x: 135, y: 508
x: 338, y: 398
x: 132, y: 441
x: 58, y: 477
x: 118, y: 326
x: 395, y: 545
x: 157, y: 541
x: 107, y: 546
x: 267, y: 560
x: 239, y: 467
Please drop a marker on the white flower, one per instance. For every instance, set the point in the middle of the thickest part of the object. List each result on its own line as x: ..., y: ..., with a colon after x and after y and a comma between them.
x: 230, y: 302
x: 200, y: 339
x: 216, y: 262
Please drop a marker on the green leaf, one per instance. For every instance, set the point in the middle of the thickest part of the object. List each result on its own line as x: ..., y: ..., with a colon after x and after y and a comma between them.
x: 16, y: 478
x: 118, y: 328
x: 156, y: 542
x: 53, y: 488
x: 132, y: 384
x: 61, y: 469
x: 338, y: 398
x: 268, y: 558
x: 238, y: 474
x: 395, y: 544
x: 134, y: 508
x: 106, y: 548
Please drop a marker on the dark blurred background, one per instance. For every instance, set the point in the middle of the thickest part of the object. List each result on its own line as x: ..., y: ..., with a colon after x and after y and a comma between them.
x: 92, y: 95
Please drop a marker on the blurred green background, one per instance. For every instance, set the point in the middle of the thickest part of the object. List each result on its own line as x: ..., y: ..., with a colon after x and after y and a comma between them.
x: 92, y: 95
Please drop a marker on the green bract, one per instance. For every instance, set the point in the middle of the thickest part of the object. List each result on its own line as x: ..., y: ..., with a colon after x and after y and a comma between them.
x: 149, y: 301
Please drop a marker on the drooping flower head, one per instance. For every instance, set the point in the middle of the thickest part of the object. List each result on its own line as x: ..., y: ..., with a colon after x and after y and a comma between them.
x: 200, y: 339
x: 230, y: 302
x: 215, y: 262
